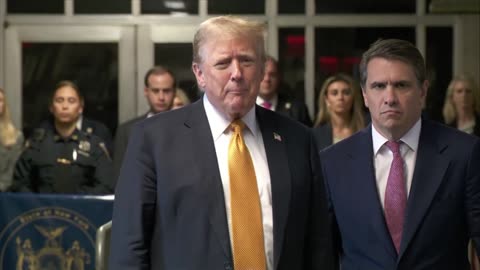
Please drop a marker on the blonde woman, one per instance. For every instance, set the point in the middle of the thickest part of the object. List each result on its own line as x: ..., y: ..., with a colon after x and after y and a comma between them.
x: 340, y: 110
x: 11, y: 144
x: 181, y: 99
x: 461, y: 109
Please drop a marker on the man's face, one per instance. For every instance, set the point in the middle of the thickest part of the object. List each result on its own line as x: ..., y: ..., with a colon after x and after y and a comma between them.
x: 393, y: 96
x: 66, y: 106
x: 230, y: 74
x: 160, y: 92
x: 269, y: 84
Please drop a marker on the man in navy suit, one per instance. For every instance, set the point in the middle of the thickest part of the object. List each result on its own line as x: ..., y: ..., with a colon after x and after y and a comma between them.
x: 270, y: 97
x: 415, y: 206
x: 172, y: 205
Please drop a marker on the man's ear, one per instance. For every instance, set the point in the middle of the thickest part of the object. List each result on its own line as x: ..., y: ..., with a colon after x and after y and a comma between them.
x: 425, y: 86
x: 199, y: 75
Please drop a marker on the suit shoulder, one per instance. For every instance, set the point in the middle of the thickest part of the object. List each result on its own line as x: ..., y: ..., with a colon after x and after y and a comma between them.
x: 283, y: 121
x: 128, y: 124
x: 165, y: 121
x: 348, y: 145
x: 451, y: 135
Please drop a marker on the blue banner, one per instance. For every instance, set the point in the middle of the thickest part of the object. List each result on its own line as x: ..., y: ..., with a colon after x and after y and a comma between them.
x: 50, y: 232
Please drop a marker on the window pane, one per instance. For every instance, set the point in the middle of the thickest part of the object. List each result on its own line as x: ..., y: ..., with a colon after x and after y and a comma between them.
x: 169, y: 6
x: 341, y: 49
x: 291, y: 62
x: 236, y: 7
x: 93, y: 67
x: 41, y: 7
x: 453, y: 7
x: 370, y: 6
x: 178, y: 58
x: 291, y: 7
x: 439, y: 68
x: 102, y: 7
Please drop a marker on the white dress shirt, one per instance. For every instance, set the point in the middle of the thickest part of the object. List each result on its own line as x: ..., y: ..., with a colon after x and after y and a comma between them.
x: 382, y: 158
x: 252, y: 135
x: 273, y: 102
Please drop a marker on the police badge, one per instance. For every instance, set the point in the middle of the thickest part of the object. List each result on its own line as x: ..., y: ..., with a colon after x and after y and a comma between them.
x: 84, y: 146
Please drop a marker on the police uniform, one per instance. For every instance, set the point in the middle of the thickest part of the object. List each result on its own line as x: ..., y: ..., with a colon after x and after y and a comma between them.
x: 79, y: 164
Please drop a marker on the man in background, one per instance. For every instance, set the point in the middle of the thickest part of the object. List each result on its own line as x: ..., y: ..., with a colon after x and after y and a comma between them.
x: 270, y: 98
x: 160, y: 85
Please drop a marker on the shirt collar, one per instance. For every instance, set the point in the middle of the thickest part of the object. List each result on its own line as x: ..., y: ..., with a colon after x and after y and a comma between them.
x: 80, y: 122
x: 74, y: 136
x: 219, y: 122
x: 410, y: 138
x: 273, y: 101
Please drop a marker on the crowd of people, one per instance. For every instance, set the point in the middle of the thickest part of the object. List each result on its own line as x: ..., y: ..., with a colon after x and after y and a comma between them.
x: 371, y: 183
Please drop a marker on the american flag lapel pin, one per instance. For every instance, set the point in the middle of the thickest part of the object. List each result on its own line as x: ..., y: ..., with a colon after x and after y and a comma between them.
x: 277, y: 137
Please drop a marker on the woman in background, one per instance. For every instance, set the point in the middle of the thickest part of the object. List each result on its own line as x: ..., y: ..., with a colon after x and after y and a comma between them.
x: 11, y: 144
x: 461, y: 109
x: 340, y: 110
x: 181, y: 99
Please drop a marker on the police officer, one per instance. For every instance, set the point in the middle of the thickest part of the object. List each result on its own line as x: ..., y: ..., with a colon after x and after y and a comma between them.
x: 61, y: 158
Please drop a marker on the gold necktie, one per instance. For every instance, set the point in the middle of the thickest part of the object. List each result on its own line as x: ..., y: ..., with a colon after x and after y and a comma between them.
x: 247, y: 228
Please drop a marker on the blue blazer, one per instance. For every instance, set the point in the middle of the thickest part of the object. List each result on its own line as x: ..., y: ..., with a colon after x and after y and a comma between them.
x: 443, y: 209
x: 169, y: 209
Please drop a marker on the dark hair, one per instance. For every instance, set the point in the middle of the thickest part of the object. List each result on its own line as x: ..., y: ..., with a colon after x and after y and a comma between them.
x: 394, y: 49
x: 159, y: 70
x: 70, y: 84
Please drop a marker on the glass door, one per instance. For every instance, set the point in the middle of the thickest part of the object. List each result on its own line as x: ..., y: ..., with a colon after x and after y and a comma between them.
x: 97, y: 58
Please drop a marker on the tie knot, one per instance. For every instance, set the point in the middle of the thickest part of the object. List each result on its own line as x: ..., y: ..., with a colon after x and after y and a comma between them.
x: 394, y: 146
x: 267, y: 105
x: 237, y: 126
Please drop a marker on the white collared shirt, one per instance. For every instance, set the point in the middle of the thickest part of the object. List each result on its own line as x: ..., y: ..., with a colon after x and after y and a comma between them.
x: 253, y: 139
x: 273, y: 102
x: 382, y: 157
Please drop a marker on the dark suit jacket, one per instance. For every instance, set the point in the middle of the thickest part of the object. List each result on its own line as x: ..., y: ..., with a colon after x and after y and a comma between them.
x: 323, y: 135
x: 169, y: 210
x: 99, y: 129
x: 476, y: 128
x: 294, y: 109
x: 121, y: 142
x: 442, y: 209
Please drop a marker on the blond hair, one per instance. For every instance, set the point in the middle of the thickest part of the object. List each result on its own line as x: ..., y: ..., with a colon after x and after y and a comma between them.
x: 449, y: 111
x: 182, y: 96
x: 229, y: 26
x: 8, y: 133
x: 357, y: 120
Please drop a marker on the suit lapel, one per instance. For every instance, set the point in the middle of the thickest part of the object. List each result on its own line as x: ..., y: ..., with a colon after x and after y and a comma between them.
x: 277, y: 159
x: 205, y: 157
x: 363, y: 183
x: 425, y: 181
